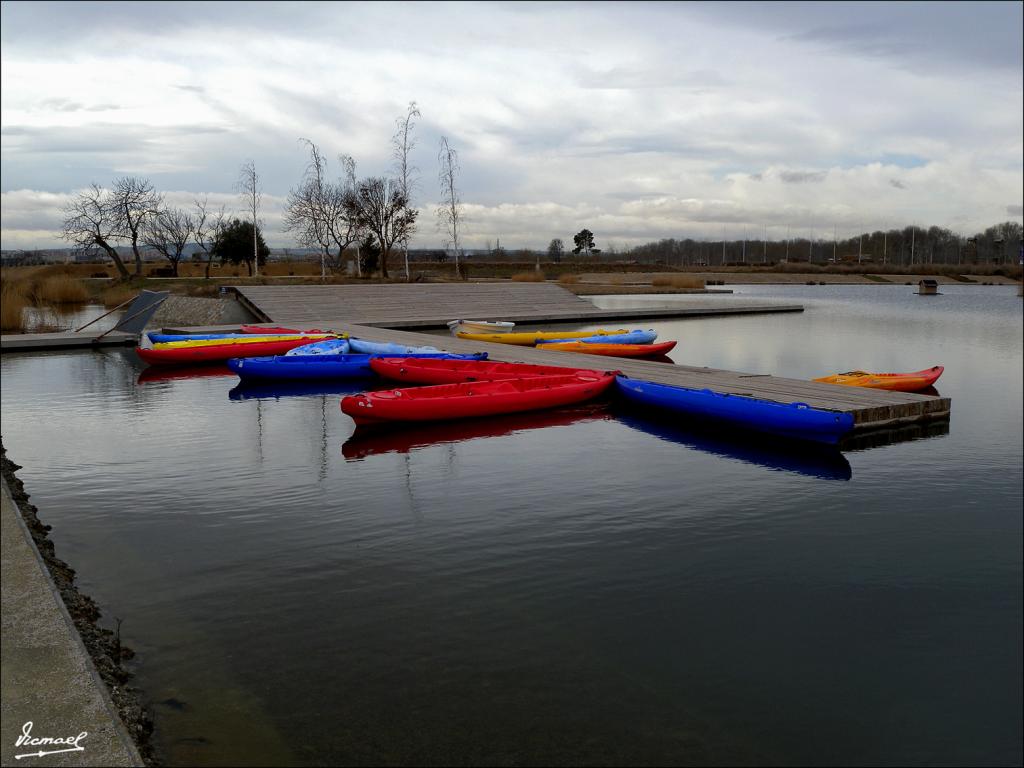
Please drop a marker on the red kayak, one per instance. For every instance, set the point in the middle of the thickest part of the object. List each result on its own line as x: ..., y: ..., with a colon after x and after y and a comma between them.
x: 612, y: 350
x: 469, y: 399
x: 424, y: 370
x: 216, y: 353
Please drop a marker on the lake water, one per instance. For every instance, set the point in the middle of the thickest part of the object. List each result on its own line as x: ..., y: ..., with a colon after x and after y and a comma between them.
x: 583, y: 586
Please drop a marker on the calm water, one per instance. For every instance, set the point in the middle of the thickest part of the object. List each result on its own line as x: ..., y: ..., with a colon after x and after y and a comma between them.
x: 582, y: 586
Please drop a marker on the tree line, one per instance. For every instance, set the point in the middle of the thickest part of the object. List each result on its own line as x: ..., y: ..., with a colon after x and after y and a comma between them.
x: 909, y: 246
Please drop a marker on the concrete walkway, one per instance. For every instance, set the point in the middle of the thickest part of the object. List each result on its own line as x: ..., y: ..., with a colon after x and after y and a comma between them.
x: 46, y: 676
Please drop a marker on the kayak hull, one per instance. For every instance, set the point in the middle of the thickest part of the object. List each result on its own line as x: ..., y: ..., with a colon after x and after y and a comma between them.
x: 309, y: 367
x: 438, y: 371
x: 630, y: 337
x: 896, y: 382
x: 794, y: 420
x: 473, y: 399
x: 215, y: 353
x: 530, y: 338
x: 304, y: 338
x: 611, y: 350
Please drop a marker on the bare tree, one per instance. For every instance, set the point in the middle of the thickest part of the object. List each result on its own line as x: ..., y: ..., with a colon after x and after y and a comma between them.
x: 134, y: 201
x: 450, y: 210
x: 318, y: 210
x: 206, y: 228
x: 403, y: 144
x: 353, y: 232
x: 169, y: 233
x: 380, y: 207
x: 249, y: 188
x: 90, y: 222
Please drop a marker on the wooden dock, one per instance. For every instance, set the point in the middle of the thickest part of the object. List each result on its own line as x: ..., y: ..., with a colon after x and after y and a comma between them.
x: 431, y: 305
x: 28, y: 342
x: 380, y: 312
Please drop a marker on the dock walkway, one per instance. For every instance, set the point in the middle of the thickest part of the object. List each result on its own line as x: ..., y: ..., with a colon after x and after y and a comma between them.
x: 431, y: 305
x: 380, y: 312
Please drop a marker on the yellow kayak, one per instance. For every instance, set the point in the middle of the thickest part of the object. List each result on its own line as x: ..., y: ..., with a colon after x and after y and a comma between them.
x: 246, y: 340
x: 529, y: 338
x: 899, y: 382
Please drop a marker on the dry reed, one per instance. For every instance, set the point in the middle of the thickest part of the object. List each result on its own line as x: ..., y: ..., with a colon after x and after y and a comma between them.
x: 61, y: 289
x: 568, y: 278
x: 678, y: 281
x: 13, y: 301
x: 117, y: 294
x: 529, y: 277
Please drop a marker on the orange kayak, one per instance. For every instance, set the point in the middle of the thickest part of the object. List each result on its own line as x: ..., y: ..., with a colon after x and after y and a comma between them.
x: 611, y: 350
x: 899, y: 382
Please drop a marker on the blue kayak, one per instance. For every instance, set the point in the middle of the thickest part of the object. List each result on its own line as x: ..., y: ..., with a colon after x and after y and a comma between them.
x: 364, y: 347
x: 632, y: 337
x: 796, y: 420
x: 309, y: 367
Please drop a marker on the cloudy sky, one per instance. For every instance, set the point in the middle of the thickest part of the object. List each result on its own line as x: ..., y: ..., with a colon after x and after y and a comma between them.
x: 638, y: 121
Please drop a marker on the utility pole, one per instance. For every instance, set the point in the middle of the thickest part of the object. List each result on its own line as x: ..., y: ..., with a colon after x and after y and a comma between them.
x: 833, y: 243
x: 913, y: 234
x: 860, y: 247
x: 764, y: 240
x: 787, y: 243
x: 885, y: 243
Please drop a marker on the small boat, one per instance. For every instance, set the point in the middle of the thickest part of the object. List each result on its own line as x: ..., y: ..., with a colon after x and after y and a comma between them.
x: 364, y: 347
x: 472, y: 399
x: 530, y: 338
x: 898, y: 382
x: 315, y: 367
x: 305, y: 339
x: 611, y: 350
x: 796, y: 420
x: 630, y: 337
x: 174, y: 355
x: 472, y: 326
x: 423, y: 370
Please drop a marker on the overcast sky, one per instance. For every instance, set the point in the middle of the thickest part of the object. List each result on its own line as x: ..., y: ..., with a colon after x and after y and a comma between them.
x: 637, y: 121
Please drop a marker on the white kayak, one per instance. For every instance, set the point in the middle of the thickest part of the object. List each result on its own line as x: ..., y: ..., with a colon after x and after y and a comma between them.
x: 494, y: 326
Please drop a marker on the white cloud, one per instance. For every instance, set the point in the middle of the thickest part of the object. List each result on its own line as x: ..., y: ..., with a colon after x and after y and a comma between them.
x: 646, y: 120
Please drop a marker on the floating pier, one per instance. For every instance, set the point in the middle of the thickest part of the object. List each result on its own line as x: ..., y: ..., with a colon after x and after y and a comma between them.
x: 386, y: 312
x: 432, y: 305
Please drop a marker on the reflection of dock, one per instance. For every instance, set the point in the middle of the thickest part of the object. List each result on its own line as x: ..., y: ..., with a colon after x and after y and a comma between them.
x: 376, y: 312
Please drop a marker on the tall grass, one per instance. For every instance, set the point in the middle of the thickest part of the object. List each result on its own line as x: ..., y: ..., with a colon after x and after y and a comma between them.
x: 61, y: 289
x: 568, y: 278
x: 117, y: 294
x: 529, y: 277
x: 13, y: 301
x: 678, y: 281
